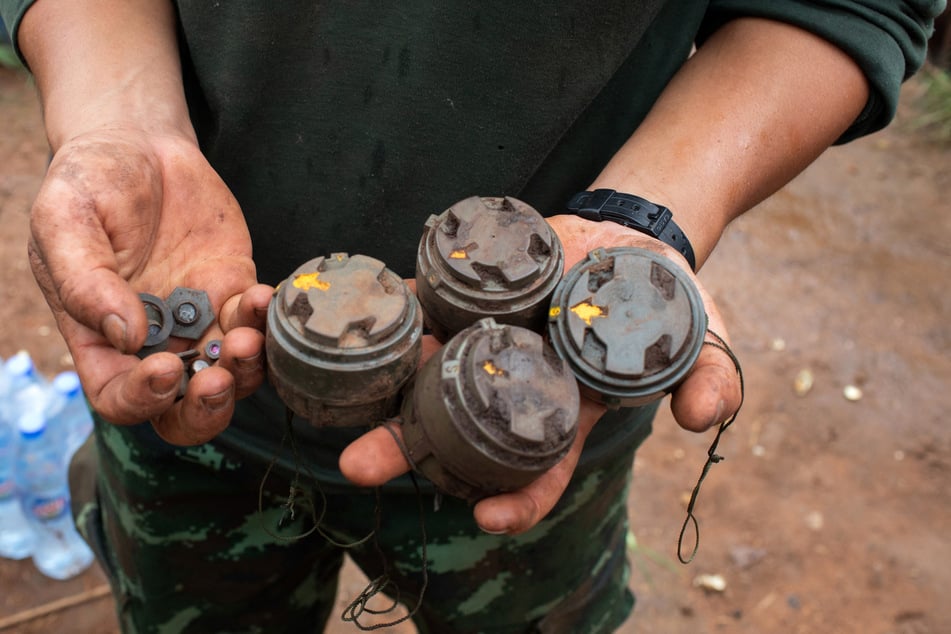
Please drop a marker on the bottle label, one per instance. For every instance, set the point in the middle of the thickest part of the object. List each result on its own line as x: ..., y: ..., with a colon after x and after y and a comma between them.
x: 46, y: 509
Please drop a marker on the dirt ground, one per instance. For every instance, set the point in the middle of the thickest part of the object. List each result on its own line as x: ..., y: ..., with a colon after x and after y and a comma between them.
x: 828, y: 514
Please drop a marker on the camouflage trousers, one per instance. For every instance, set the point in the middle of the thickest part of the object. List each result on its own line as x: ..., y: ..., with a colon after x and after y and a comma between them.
x: 192, y: 542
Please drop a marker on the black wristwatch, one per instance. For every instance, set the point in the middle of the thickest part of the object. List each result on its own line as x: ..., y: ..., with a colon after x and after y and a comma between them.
x: 633, y: 212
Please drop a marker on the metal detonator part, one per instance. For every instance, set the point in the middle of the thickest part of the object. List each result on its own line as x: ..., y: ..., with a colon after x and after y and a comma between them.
x: 344, y: 334
x: 160, y: 324
x: 487, y: 257
x: 491, y: 411
x: 629, y: 322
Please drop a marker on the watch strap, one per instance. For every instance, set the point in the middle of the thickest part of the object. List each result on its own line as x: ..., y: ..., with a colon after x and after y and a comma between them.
x: 633, y: 212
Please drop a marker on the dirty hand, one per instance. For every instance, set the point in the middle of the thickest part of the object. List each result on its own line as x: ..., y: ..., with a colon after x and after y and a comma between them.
x: 708, y: 396
x: 123, y: 211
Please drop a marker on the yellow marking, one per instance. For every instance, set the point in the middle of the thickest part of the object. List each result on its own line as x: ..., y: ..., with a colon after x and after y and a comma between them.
x: 586, y: 311
x: 491, y: 369
x: 554, y: 311
x: 307, y: 281
x: 458, y: 254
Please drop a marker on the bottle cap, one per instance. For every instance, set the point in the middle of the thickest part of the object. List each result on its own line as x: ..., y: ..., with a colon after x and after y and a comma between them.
x: 20, y: 364
x: 67, y: 383
x: 31, y: 423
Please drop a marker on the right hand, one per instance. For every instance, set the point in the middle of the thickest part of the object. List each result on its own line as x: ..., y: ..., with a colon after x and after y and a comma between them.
x: 124, y: 211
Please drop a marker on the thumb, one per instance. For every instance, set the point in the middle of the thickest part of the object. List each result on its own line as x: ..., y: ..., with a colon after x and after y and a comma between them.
x: 713, y: 391
x: 84, y: 213
x: 90, y: 296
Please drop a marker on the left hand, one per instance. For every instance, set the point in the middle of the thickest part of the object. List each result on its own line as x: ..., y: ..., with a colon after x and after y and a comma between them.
x: 709, y: 395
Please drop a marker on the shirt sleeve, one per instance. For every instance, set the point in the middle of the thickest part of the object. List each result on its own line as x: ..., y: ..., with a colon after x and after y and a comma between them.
x: 887, y: 39
x: 12, y: 13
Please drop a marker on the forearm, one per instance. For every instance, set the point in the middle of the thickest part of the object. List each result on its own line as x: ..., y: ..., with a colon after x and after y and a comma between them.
x: 750, y: 110
x: 105, y: 63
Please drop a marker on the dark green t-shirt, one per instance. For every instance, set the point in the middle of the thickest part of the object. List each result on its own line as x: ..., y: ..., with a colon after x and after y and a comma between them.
x: 342, y: 126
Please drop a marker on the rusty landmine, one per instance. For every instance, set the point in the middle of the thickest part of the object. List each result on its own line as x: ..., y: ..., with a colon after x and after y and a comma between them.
x: 344, y: 334
x: 629, y: 322
x: 487, y: 257
x: 493, y: 410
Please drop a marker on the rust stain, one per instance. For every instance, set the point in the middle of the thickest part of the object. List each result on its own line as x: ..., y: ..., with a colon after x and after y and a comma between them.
x: 493, y: 370
x: 308, y: 281
x: 586, y: 311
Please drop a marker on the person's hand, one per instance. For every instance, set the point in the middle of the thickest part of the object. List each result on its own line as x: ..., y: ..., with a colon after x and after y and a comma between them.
x: 711, y: 391
x: 709, y: 394
x: 123, y: 211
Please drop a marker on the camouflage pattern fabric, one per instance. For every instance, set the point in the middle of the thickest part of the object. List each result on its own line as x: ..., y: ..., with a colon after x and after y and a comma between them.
x: 187, y: 549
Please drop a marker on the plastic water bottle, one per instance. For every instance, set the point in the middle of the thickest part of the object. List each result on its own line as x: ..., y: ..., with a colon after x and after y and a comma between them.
x: 17, y: 536
x: 59, y: 552
x: 27, y: 389
x: 68, y: 413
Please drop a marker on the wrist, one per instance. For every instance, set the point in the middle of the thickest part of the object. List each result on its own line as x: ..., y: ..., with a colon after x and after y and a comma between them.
x: 154, y: 109
x: 633, y: 212
x: 701, y: 218
x: 105, y: 64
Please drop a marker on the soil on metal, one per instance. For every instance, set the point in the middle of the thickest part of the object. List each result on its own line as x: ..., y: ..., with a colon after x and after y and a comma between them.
x: 828, y: 514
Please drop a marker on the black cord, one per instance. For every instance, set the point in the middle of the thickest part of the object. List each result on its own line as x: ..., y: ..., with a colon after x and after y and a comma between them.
x: 712, y: 456
x: 359, y: 605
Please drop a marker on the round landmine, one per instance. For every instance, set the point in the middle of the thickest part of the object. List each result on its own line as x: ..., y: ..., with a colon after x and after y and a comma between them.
x: 487, y: 257
x: 629, y: 322
x: 343, y: 336
x: 490, y: 412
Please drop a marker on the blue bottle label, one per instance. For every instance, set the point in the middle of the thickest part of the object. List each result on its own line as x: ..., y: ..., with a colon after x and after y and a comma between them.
x: 45, y: 509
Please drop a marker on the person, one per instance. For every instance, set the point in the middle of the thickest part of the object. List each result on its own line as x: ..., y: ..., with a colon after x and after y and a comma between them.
x: 184, y: 133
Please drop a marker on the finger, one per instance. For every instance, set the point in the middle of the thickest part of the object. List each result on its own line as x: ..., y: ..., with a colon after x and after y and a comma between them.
x: 430, y: 346
x: 374, y: 458
x: 75, y: 252
x: 126, y: 390
x: 203, y: 413
x: 242, y: 354
x: 519, y: 511
x: 96, y: 298
x: 516, y: 512
x: 708, y: 396
x: 711, y: 393
x: 247, y: 309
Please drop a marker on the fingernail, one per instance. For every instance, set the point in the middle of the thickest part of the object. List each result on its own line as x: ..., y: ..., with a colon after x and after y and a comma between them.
x: 248, y: 363
x: 115, y: 330
x: 496, y: 533
x: 162, y: 384
x: 217, y: 401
